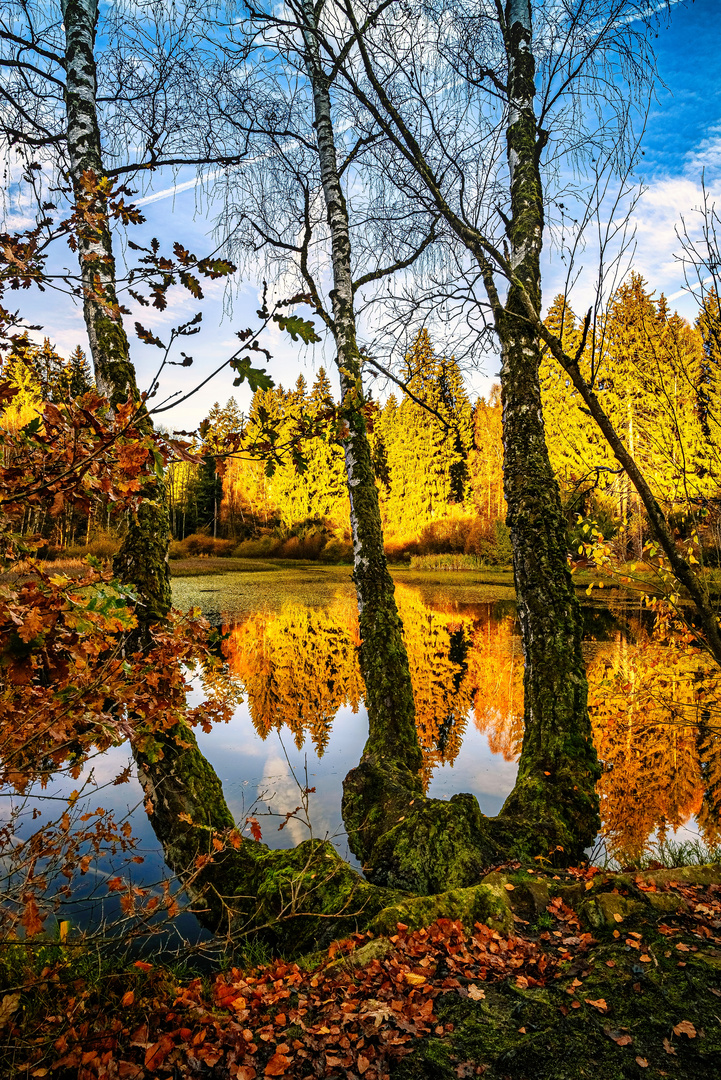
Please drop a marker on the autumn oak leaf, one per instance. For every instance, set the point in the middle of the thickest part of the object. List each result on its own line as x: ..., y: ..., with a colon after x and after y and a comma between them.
x: 277, y: 1065
x: 156, y: 1054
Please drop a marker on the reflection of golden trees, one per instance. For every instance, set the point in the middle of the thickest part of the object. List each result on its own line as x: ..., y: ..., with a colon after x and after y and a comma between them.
x: 298, y: 666
x: 438, y: 646
x: 496, y: 675
x: 645, y: 700
x: 653, y: 704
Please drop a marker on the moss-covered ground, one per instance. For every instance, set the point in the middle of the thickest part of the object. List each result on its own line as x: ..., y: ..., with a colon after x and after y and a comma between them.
x: 606, y: 976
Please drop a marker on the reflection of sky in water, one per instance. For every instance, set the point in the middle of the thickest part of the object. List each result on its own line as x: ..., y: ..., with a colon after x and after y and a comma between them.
x: 256, y: 775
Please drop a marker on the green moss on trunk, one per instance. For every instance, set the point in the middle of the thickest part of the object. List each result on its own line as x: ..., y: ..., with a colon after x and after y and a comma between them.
x: 142, y: 560
x: 558, y: 767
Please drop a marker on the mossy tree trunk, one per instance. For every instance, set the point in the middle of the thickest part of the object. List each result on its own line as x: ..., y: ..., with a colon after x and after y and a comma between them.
x: 392, y: 755
x: 142, y: 560
x: 558, y: 766
x: 297, y: 900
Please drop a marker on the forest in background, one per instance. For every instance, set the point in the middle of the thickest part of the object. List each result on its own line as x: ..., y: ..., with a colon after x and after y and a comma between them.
x: 437, y: 455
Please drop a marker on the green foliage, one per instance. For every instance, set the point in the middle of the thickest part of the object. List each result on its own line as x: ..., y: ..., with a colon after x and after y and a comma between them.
x: 257, y: 378
x: 297, y: 327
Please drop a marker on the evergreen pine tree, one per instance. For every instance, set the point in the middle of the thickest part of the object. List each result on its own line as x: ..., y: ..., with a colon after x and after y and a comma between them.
x: 79, y: 374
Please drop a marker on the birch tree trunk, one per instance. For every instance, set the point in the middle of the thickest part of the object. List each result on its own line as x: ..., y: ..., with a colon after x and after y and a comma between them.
x: 405, y: 840
x: 142, y: 559
x: 558, y: 767
x: 390, y: 768
x: 383, y: 655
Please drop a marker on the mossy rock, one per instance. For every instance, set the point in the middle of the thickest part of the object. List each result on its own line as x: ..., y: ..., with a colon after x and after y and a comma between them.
x: 433, y: 846
x: 479, y: 903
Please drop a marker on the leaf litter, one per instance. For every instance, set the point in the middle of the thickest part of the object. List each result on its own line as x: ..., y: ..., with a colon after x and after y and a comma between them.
x: 347, y: 1019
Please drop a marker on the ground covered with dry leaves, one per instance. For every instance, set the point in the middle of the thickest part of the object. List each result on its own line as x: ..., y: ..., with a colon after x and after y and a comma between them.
x: 604, y: 976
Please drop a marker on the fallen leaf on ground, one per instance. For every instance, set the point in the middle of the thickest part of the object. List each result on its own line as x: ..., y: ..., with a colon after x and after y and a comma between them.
x: 642, y: 1062
x: 685, y: 1028
x: 600, y: 1004
x: 156, y: 1054
x: 414, y: 980
x: 8, y: 1006
x: 668, y: 1047
x: 619, y: 1037
x: 475, y: 993
x: 277, y: 1065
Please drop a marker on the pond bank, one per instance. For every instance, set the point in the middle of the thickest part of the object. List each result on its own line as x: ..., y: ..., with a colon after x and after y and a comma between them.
x: 605, y: 976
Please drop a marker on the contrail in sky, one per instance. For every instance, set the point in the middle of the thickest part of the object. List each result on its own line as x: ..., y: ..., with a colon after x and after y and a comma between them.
x: 167, y: 193
x: 690, y: 289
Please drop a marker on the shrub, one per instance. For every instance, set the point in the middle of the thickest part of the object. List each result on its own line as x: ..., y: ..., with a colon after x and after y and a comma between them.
x: 445, y: 536
x: 265, y: 547
x: 400, y: 551
x: 337, y: 551
x: 303, y: 547
x: 104, y: 547
x: 199, y: 544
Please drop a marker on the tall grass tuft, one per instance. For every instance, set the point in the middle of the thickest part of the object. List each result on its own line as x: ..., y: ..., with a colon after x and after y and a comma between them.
x: 447, y: 562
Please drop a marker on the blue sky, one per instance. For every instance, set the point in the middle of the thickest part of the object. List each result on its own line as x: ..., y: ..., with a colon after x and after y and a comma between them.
x: 683, y: 138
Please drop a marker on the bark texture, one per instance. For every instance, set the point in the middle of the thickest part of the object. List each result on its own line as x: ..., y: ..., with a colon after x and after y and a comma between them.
x: 390, y: 767
x: 558, y: 767
x: 142, y: 559
x: 554, y: 803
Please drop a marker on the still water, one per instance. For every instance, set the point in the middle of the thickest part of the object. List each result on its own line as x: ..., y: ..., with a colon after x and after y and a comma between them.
x: 291, y: 640
x: 291, y: 637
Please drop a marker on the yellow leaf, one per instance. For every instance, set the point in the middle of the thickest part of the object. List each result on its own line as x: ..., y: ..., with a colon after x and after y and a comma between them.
x: 414, y: 980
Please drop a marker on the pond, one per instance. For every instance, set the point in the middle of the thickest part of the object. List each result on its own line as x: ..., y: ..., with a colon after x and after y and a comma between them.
x: 291, y: 637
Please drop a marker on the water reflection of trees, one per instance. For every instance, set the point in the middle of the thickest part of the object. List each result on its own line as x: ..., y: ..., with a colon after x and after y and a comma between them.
x: 654, y: 705
x: 299, y: 666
